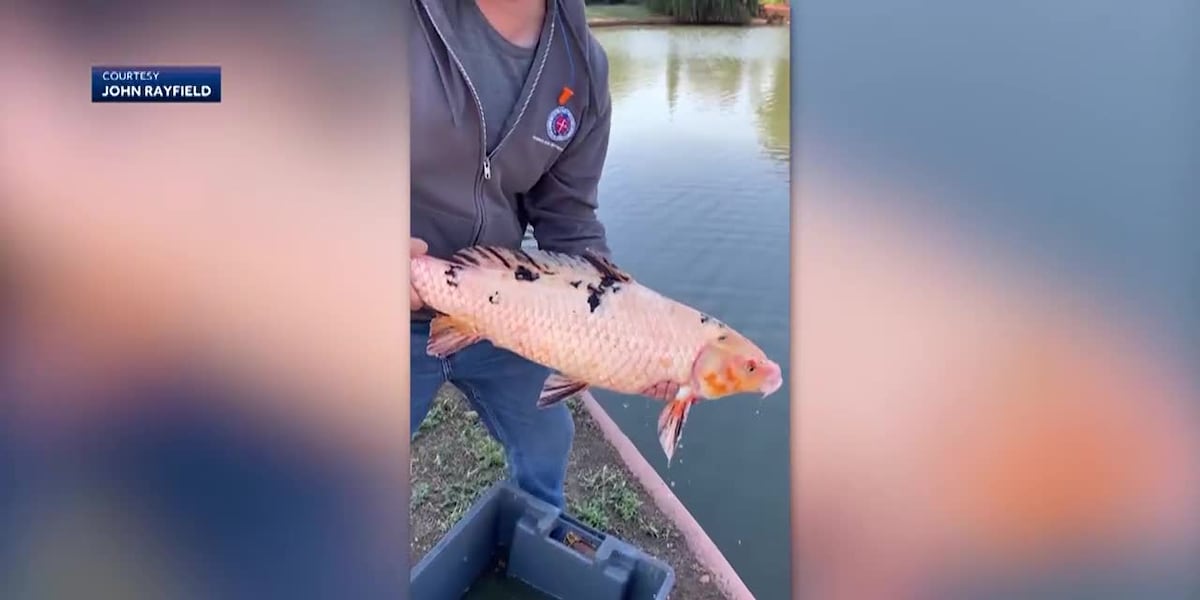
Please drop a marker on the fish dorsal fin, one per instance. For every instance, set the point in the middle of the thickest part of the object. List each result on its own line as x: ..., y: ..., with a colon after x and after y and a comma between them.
x: 534, y: 263
x: 605, y: 267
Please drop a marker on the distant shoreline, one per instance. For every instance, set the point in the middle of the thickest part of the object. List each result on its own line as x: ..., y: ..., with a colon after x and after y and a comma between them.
x: 630, y: 15
x: 652, y: 20
x: 659, y: 21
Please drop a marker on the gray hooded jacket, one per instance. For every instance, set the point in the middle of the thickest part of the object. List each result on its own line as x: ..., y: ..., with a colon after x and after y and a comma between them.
x: 545, y: 169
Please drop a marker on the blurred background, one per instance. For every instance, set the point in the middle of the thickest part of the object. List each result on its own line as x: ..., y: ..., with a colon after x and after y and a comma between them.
x: 996, y: 299
x: 203, y: 392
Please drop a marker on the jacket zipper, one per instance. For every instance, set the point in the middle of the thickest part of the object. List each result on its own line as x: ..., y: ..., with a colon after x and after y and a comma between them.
x: 486, y: 159
x: 533, y: 88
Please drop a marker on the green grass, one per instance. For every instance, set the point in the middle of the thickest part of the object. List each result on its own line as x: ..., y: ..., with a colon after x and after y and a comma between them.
x: 479, y: 464
x: 606, y: 494
x: 618, y: 11
x: 602, y: 496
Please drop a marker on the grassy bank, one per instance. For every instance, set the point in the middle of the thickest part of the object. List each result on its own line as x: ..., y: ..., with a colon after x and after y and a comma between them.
x: 603, y: 15
x: 455, y: 461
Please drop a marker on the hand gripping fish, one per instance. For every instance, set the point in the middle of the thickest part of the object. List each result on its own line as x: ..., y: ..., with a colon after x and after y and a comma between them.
x: 593, y: 324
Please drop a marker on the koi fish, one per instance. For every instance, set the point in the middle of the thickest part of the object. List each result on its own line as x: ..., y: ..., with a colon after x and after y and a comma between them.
x: 593, y: 325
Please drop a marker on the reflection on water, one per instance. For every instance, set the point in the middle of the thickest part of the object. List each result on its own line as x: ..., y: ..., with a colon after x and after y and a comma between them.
x: 714, y: 68
x: 695, y: 198
x: 773, y: 109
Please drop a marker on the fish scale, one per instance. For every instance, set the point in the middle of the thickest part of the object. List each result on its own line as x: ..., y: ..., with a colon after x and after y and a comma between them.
x: 591, y: 323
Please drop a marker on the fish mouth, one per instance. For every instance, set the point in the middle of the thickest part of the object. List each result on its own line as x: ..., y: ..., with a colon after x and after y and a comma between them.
x: 772, y: 382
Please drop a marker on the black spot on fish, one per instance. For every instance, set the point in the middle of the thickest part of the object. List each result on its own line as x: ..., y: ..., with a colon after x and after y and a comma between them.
x: 575, y: 284
x: 593, y: 298
x: 452, y: 275
x: 494, y: 298
x: 594, y: 295
x: 524, y: 274
x: 608, y: 283
x: 704, y: 318
x: 722, y: 338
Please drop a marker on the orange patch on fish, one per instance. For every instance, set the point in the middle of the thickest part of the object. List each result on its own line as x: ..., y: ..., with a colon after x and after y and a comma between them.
x: 714, y: 384
x: 730, y: 375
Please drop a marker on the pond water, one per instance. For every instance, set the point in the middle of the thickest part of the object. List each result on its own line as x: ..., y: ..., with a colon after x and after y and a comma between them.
x: 695, y: 196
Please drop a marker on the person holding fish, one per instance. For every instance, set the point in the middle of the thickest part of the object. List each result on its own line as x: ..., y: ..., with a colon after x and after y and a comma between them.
x: 510, y: 118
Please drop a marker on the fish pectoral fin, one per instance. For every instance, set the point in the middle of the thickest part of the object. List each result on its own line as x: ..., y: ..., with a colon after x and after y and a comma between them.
x: 558, y: 388
x: 671, y: 421
x: 448, y: 335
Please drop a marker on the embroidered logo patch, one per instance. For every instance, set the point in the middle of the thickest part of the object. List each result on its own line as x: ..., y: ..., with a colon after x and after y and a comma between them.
x: 560, y: 126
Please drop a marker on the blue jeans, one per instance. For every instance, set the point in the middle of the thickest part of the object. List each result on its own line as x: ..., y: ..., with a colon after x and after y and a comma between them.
x: 503, y: 388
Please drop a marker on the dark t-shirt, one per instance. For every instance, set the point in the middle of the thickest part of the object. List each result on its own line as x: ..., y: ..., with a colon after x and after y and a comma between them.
x: 496, y: 67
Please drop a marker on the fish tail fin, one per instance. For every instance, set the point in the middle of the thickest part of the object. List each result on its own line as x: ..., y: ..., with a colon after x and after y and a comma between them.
x: 670, y: 424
